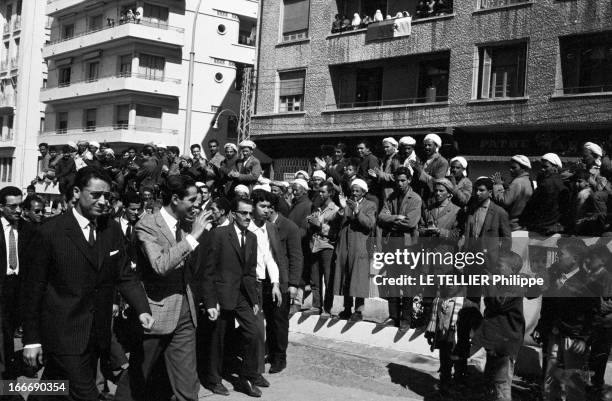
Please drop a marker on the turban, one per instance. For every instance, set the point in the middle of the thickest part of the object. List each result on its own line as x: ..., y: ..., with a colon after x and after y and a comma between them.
x: 263, y: 180
x: 305, y: 174
x: 319, y: 174
x: 241, y: 189
x: 434, y: 138
x: 200, y: 184
x: 72, y: 145
x: 302, y: 183
x: 94, y: 144
x: 522, y: 160
x: 360, y: 183
x: 247, y: 144
x: 594, y: 148
x: 109, y: 151
x: 446, y: 183
x: 264, y: 187
x: 161, y: 145
x: 83, y: 142
x: 230, y: 145
x: 390, y: 141
x: 553, y: 159
x: 462, y: 162
x: 407, y: 140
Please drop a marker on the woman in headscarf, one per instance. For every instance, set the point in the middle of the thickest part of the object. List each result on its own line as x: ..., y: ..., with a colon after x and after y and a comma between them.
x: 462, y: 184
x: 352, y: 274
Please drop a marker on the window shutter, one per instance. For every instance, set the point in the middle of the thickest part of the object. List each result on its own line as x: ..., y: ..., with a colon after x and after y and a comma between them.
x: 295, y: 15
x: 292, y: 83
x: 486, y: 74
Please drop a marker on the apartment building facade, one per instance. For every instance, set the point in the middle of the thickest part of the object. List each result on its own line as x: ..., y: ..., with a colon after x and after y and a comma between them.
x: 24, y: 30
x: 495, y: 77
x: 119, y: 70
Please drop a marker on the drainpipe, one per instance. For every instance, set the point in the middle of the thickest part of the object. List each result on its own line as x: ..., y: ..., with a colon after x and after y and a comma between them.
x: 186, y: 138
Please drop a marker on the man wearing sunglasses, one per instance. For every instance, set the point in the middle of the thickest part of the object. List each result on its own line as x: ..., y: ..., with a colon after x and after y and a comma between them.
x: 78, y: 263
x: 230, y: 292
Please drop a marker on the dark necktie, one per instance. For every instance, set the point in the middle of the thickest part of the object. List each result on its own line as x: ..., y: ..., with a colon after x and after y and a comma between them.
x: 92, y: 236
x: 12, y: 250
x: 128, y: 232
x: 178, y: 233
x: 243, y: 239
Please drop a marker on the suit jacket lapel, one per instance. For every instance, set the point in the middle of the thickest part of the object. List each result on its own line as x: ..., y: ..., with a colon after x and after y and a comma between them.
x: 101, y: 248
x: 165, y: 230
x: 487, y: 220
x: 74, y: 232
x: 235, y: 242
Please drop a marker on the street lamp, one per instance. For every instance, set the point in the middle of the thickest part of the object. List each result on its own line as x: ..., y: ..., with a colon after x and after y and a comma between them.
x: 215, y: 122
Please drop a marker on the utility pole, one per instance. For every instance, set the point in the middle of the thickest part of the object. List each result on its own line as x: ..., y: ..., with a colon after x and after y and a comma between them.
x: 189, y: 105
x: 246, y: 104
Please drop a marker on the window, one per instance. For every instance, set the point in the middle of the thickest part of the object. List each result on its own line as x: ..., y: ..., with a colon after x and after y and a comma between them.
x: 17, y: 42
x: 64, y: 76
x: 6, y: 169
x: 586, y: 63
x: 369, y: 87
x: 122, y: 116
x: 125, y: 65
x: 433, y: 81
x: 291, y: 94
x: 219, y: 77
x: 501, y: 71
x: 247, y: 32
x: 44, y: 83
x: 148, y: 117
x: 295, y: 19
x: 93, y: 71
x: 62, y: 122
x: 42, y: 124
x: 151, y: 67
x: 155, y: 14
x: 67, y: 31
x: 90, y: 119
x: 232, y: 127
x: 9, y: 125
x: 221, y: 29
x: 94, y: 22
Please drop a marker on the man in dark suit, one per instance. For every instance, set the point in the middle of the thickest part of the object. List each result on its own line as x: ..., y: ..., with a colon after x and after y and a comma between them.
x: 12, y: 252
x: 287, y: 252
x: 79, y: 260
x: 168, y: 239
x: 230, y: 292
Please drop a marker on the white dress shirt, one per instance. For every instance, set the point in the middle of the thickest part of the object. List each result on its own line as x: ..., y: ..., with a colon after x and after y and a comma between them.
x: 265, y: 260
x: 124, y: 224
x: 84, y: 223
x: 7, y: 232
x: 171, y: 222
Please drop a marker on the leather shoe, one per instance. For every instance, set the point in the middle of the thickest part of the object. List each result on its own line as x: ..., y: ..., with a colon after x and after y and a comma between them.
x: 345, y: 314
x: 404, y: 325
x: 388, y: 322
x: 356, y: 317
x: 217, y: 388
x: 246, y: 386
x: 277, y: 367
x: 311, y: 312
x: 261, y: 382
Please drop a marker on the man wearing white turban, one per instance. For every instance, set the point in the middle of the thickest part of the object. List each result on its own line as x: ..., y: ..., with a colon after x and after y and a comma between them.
x: 548, y: 207
x: 462, y: 190
x: 406, y: 151
x: 388, y: 165
x: 591, y: 154
x: 515, y: 197
x: 248, y: 169
x: 434, y: 167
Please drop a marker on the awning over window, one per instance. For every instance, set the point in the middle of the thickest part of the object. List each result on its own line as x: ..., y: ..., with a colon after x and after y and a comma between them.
x: 292, y: 83
x: 295, y: 15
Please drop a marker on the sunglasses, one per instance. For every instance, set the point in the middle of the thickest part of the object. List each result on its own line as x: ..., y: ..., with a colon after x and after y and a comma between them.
x: 99, y: 194
x: 243, y: 213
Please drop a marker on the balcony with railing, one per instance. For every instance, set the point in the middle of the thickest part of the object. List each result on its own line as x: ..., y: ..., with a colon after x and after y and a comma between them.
x: 492, y: 4
x: 58, y: 6
x: 14, y: 63
x: 17, y: 23
x: 118, y: 133
x: 130, y: 82
x: 6, y: 29
x: 160, y: 33
x: 7, y: 100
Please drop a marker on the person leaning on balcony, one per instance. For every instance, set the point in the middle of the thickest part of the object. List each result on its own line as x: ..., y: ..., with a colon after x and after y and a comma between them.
x: 434, y: 167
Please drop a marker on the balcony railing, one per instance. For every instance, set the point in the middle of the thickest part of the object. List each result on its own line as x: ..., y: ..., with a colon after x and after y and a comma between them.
x: 7, y: 100
x: 386, y: 102
x: 484, y: 4
x: 576, y: 90
x: 120, y: 75
x: 110, y: 24
x: 7, y: 28
x: 17, y: 24
x: 109, y: 128
x: 246, y: 40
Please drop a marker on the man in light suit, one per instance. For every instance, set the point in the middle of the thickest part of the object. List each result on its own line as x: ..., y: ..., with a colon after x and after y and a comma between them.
x: 229, y: 293
x: 78, y: 263
x: 168, y: 239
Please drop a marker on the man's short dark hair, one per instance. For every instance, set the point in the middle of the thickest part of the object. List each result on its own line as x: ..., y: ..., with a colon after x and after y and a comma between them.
x: 87, y: 173
x: 45, y: 144
x: 260, y: 195
x: 147, y: 150
x: 341, y: 146
x: 486, y: 181
x: 174, y: 150
x: 402, y: 170
x: 66, y: 149
x: 27, y: 203
x: 275, y: 200
x: 195, y: 145
x: 223, y: 204
x: 176, y: 185
x: 9, y: 191
x: 573, y: 245
x: 600, y: 252
x: 131, y: 197
x: 237, y: 201
x: 31, y: 188
x: 365, y: 143
x: 213, y: 141
x: 132, y: 148
x: 354, y: 162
